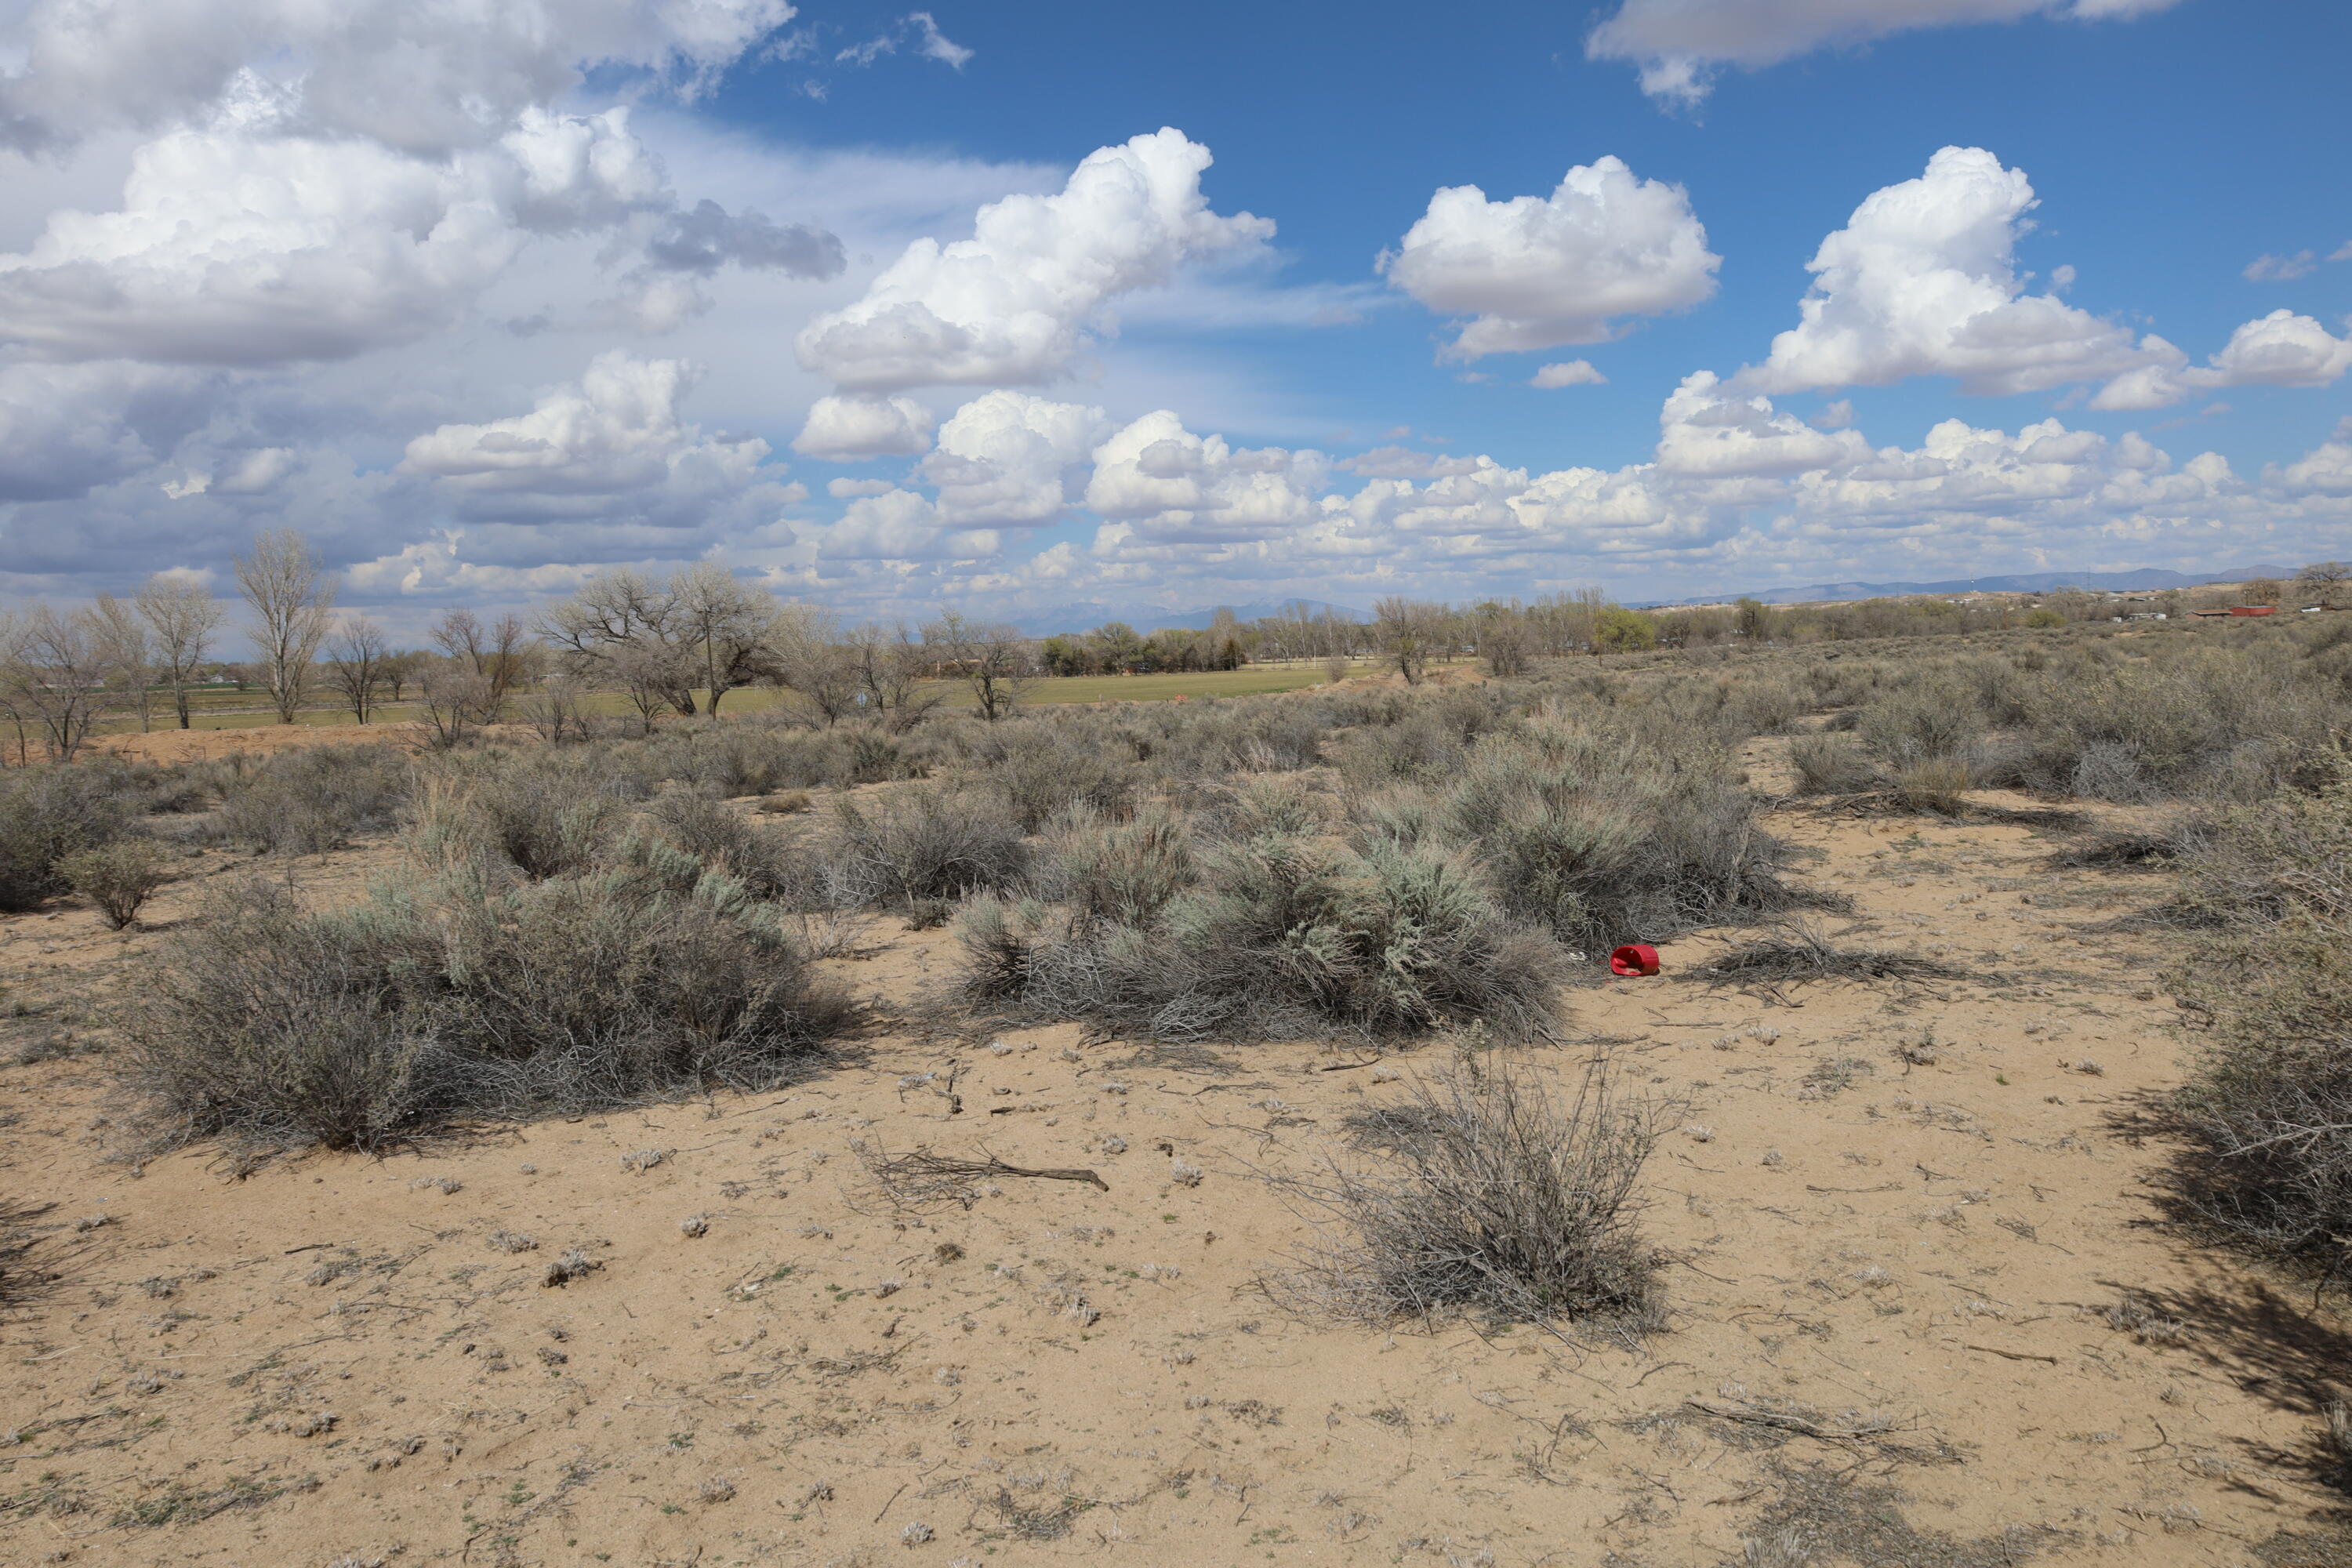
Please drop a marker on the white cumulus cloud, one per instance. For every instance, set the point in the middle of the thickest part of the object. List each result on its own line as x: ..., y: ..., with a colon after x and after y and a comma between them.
x: 1167, y: 484
x: 610, y: 450
x: 1002, y: 457
x: 1922, y: 281
x: 1011, y: 305
x: 2282, y: 349
x: 1704, y: 432
x: 902, y: 526
x: 846, y: 430
x: 237, y: 245
x: 1538, y: 271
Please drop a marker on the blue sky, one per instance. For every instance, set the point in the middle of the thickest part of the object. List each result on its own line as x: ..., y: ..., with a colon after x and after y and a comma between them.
x: 492, y: 299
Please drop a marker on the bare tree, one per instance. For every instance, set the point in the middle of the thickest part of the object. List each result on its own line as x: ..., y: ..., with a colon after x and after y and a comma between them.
x: 733, y: 625
x: 811, y: 662
x: 499, y: 652
x: 356, y: 662
x: 558, y: 710
x: 702, y: 627
x: 399, y: 669
x: 1411, y: 634
x: 12, y: 653
x: 456, y: 698
x: 122, y: 634
x: 890, y: 673
x: 995, y: 661
x: 55, y: 675
x: 1505, y: 644
x: 2327, y: 578
x: 184, y: 617
x: 654, y: 676
x: 626, y: 629
x: 292, y: 599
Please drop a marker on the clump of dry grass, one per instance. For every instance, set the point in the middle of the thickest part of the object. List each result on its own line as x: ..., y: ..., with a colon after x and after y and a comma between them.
x: 1606, y: 832
x: 2137, y: 849
x: 1933, y: 784
x: 19, y: 1283
x: 2335, y: 1427
x: 1830, y: 764
x: 308, y: 802
x: 2139, y: 1315
x: 1500, y: 1195
x: 926, y: 846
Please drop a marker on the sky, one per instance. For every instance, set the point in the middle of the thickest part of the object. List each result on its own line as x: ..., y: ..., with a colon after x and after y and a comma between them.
x: 1049, y: 310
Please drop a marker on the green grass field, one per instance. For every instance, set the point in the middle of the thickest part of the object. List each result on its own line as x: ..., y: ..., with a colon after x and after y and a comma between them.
x: 231, y: 709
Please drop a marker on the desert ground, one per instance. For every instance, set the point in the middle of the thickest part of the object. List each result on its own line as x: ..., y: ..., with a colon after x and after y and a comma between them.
x: 1923, y: 1301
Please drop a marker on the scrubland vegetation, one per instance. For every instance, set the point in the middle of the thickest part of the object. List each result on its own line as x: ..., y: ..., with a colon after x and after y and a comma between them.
x: 600, y: 916
x: 588, y: 922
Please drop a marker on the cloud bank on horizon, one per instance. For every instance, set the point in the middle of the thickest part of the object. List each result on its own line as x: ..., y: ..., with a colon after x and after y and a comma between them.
x: 490, y: 297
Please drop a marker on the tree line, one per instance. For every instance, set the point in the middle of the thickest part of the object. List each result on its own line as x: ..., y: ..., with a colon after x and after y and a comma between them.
x: 678, y: 645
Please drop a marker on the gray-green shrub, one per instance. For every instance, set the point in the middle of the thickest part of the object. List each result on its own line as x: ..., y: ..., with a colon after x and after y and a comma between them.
x: 118, y: 877
x: 308, y: 802
x: 50, y: 811
x: 2270, y: 986
x: 1605, y: 834
x: 1280, y: 937
x: 441, y: 999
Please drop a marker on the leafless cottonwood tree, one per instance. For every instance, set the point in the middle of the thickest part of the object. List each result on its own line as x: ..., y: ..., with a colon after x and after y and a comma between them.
x: 733, y: 625
x: 499, y: 651
x: 1411, y: 633
x: 356, y: 662
x: 293, y: 601
x: 402, y: 668
x: 1505, y: 646
x: 184, y: 619
x: 890, y: 673
x: 702, y: 626
x: 127, y: 649
x: 995, y: 661
x: 811, y: 661
x: 454, y: 698
x: 55, y: 675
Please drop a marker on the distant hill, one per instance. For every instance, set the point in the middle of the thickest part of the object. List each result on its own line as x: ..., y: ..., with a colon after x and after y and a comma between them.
x: 2143, y: 579
x: 1087, y: 617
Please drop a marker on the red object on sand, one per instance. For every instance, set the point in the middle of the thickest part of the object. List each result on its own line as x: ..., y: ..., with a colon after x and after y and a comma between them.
x: 1635, y: 958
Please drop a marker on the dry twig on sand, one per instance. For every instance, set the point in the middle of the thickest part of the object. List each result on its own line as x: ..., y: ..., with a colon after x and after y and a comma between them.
x: 923, y: 1179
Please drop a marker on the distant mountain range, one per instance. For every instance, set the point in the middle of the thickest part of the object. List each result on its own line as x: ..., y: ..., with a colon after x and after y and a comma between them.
x: 2141, y: 581
x: 1086, y: 617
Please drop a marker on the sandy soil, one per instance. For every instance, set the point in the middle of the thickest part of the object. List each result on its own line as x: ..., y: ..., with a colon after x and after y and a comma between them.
x: 1887, y: 1298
